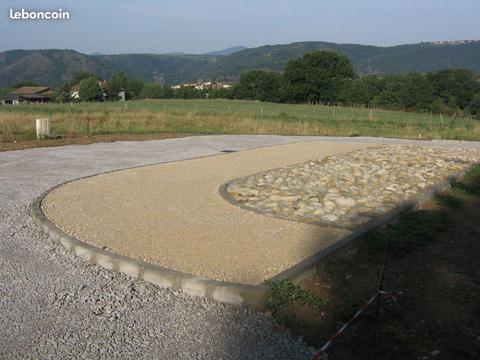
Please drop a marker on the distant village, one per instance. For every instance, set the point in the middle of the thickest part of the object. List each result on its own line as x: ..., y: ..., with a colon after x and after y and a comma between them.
x: 204, y: 85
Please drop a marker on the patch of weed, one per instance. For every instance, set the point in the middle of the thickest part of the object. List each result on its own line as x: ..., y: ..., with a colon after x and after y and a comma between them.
x: 450, y: 200
x: 284, y: 292
x: 470, y: 184
x: 473, y: 173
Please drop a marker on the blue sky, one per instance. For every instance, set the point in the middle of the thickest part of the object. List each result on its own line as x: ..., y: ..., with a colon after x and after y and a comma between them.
x: 121, y: 26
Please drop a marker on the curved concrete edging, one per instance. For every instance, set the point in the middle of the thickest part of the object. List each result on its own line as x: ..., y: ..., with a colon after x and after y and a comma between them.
x: 231, y: 293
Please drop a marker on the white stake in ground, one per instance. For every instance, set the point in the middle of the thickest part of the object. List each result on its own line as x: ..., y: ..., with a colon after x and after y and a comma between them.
x: 42, y: 126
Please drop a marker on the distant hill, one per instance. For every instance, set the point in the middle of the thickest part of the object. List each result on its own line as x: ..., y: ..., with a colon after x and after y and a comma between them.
x: 45, y: 67
x: 423, y: 57
x: 227, y: 51
x: 164, y: 69
x: 52, y: 67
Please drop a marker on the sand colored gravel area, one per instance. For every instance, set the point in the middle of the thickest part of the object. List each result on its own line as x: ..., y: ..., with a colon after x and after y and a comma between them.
x: 173, y: 215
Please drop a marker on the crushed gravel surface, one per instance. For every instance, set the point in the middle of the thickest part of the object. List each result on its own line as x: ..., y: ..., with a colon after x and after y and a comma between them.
x: 56, y: 306
x: 172, y: 215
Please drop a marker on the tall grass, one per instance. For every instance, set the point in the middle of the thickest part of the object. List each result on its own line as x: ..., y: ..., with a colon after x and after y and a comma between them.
x: 228, y: 117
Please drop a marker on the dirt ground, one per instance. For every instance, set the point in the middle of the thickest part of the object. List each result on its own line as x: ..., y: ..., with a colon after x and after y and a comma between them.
x: 20, y: 144
x: 433, y: 274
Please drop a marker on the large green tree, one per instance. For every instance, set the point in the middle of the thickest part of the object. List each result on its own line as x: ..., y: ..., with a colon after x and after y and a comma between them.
x: 259, y: 85
x: 419, y: 92
x: 62, y: 94
x: 393, y: 92
x: 81, y: 75
x: 474, y: 106
x: 134, y: 88
x: 151, y: 91
x: 318, y: 77
x: 362, y: 90
x: 456, y: 88
x: 90, y: 90
x: 117, y: 83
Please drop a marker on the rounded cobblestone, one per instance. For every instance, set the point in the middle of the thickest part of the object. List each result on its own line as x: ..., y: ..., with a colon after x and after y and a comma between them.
x: 351, y: 189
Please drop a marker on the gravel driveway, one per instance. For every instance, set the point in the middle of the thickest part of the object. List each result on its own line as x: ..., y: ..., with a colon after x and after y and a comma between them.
x: 53, y: 305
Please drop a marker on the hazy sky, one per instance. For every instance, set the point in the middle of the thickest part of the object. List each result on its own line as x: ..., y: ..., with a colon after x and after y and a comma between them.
x: 121, y: 26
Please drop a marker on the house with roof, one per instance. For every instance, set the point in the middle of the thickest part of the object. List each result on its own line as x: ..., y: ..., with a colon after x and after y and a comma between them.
x: 29, y: 94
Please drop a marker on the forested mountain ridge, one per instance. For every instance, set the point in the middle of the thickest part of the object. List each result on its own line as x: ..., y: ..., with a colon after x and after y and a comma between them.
x: 51, y: 67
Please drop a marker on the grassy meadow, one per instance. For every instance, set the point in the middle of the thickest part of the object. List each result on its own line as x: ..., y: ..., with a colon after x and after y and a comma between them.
x: 200, y: 117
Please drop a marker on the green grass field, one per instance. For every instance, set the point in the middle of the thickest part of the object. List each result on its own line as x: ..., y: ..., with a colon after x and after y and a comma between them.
x: 227, y: 117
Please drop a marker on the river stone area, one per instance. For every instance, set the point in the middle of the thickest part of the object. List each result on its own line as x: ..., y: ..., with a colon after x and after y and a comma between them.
x: 348, y: 190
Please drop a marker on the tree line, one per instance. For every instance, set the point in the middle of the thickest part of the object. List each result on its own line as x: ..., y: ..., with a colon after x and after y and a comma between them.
x: 90, y: 89
x: 320, y: 77
x: 328, y: 78
x: 325, y: 77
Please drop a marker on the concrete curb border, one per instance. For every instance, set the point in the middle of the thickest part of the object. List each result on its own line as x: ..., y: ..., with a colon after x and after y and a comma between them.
x: 249, y: 296
x: 310, y: 265
x: 231, y: 293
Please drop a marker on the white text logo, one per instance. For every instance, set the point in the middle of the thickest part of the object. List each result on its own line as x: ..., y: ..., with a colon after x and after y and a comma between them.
x: 39, y: 15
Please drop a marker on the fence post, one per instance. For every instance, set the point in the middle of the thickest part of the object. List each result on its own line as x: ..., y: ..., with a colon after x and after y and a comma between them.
x: 42, y: 127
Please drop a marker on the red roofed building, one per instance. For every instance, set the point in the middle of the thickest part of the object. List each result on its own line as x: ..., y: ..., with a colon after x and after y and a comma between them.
x: 31, y: 94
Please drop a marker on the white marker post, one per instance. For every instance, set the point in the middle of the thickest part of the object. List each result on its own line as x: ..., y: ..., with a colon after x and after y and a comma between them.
x: 43, y: 129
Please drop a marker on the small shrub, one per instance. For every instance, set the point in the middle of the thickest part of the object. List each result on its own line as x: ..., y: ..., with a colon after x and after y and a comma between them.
x: 283, y: 292
x: 470, y: 184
